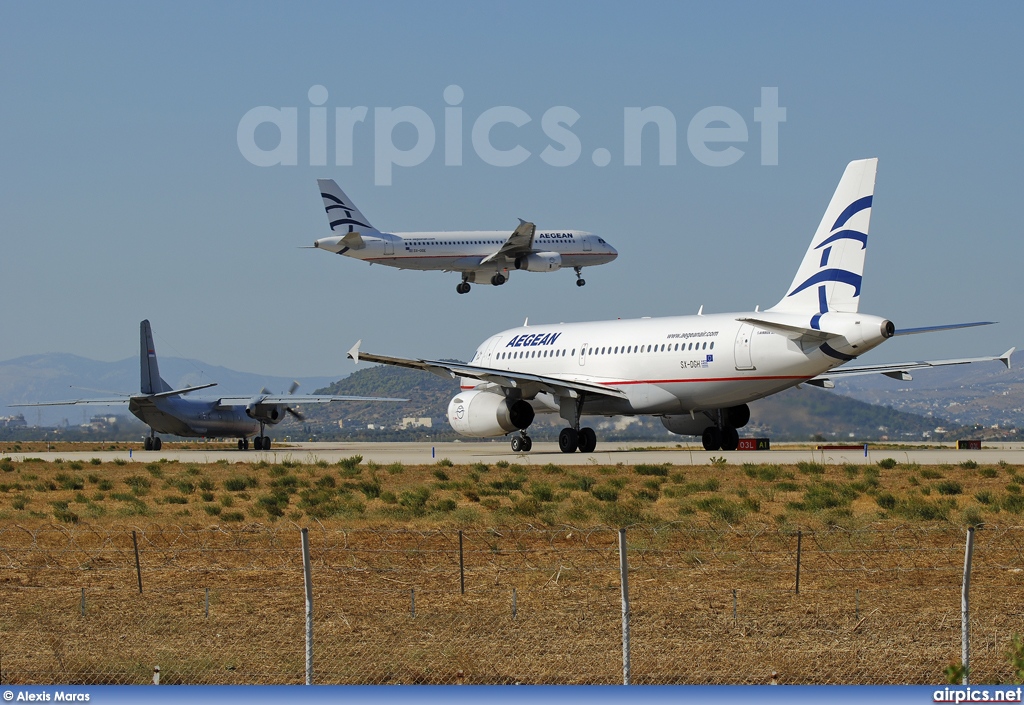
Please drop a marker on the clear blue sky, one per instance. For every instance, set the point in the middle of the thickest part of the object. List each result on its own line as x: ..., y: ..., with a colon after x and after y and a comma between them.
x: 124, y: 193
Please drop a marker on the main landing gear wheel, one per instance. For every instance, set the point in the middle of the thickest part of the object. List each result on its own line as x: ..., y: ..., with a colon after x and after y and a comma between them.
x: 730, y: 438
x: 568, y: 440
x: 148, y: 443
x: 498, y: 279
x: 261, y: 442
x: 243, y: 444
x: 587, y: 440
x: 463, y: 288
x: 157, y: 443
x: 711, y: 438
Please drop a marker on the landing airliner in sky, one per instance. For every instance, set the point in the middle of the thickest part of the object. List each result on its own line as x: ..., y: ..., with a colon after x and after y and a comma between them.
x: 482, y: 256
x: 698, y: 373
x: 166, y: 410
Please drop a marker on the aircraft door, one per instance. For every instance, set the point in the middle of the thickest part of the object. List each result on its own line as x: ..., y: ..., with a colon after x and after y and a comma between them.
x: 742, y: 348
x: 389, y: 246
x: 583, y: 354
x: 586, y: 243
x: 489, y: 352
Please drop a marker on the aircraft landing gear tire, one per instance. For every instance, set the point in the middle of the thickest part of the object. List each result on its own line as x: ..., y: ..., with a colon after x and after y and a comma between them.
x: 581, y: 282
x: 257, y: 442
x: 266, y: 443
x: 711, y: 438
x: 463, y: 288
x: 157, y: 443
x: 498, y: 279
x: 241, y: 444
x: 568, y: 440
x: 148, y: 443
x: 587, y: 440
x: 522, y: 444
x: 730, y: 438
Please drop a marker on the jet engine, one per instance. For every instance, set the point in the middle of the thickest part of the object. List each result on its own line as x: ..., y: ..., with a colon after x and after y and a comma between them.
x: 483, y: 414
x: 539, y: 262
x: 734, y: 416
x: 267, y: 413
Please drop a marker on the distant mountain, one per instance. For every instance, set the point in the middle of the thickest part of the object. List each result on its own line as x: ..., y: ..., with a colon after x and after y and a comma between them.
x: 57, y: 376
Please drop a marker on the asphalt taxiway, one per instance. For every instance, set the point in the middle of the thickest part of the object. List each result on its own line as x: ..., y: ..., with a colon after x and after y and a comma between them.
x: 627, y: 453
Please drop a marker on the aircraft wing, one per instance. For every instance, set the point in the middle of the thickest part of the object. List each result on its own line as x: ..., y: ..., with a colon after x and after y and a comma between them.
x: 519, y: 242
x: 291, y: 399
x: 503, y: 378
x: 901, y: 370
x: 68, y: 402
x: 121, y: 400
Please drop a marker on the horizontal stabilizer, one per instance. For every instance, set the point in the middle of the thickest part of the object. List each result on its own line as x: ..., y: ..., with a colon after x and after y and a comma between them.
x: 788, y: 329
x: 901, y: 370
x: 934, y: 329
x: 177, y: 392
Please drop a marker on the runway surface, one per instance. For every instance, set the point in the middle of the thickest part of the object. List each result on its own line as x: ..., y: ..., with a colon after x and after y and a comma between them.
x: 543, y: 453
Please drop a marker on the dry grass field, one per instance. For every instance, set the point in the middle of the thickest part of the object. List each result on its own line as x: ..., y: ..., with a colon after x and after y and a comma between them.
x: 712, y: 570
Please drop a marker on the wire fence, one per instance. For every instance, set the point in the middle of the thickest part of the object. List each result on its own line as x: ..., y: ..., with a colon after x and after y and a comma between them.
x: 540, y: 605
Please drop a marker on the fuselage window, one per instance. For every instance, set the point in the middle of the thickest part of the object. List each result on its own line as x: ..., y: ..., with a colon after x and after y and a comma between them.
x: 705, y: 345
x: 648, y: 348
x: 574, y: 352
x: 712, y: 346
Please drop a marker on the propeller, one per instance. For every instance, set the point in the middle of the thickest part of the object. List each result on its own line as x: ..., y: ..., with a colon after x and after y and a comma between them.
x: 291, y: 390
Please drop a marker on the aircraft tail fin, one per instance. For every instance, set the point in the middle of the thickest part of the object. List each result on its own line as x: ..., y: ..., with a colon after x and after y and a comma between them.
x: 152, y: 383
x: 829, y: 278
x: 342, y: 214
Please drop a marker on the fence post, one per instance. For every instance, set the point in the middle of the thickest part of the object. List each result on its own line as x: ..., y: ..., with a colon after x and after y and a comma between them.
x: 624, y: 579
x: 799, y: 540
x: 965, y: 612
x: 308, y: 579
x: 462, y: 568
x: 138, y: 566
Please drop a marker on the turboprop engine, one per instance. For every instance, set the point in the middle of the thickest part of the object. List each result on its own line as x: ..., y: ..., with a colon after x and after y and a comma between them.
x: 267, y: 413
x: 483, y: 414
x: 734, y: 416
x: 539, y: 262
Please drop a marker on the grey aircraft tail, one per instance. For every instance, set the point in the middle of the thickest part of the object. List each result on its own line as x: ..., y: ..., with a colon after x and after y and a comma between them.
x: 152, y: 383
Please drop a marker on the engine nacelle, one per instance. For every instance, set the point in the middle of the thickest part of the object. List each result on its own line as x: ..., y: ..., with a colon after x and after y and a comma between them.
x: 735, y: 416
x: 539, y: 262
x: 267, y: 413
x: 482, y: 414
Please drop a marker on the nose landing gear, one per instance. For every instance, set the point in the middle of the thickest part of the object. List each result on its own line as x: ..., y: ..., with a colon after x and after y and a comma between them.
x: 580, y: 281
x: 522, y: 443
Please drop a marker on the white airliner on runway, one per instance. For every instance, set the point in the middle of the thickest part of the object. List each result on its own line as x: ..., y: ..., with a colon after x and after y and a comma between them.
x: 482, y: 256
x: 696, y: 372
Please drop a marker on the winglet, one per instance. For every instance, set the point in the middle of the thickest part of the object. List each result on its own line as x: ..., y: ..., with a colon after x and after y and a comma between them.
x: 353, y: 354
x: 1005, y: 357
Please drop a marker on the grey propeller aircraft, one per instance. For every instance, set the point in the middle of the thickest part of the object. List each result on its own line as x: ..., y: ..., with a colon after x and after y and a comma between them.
x: 170, y: 411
